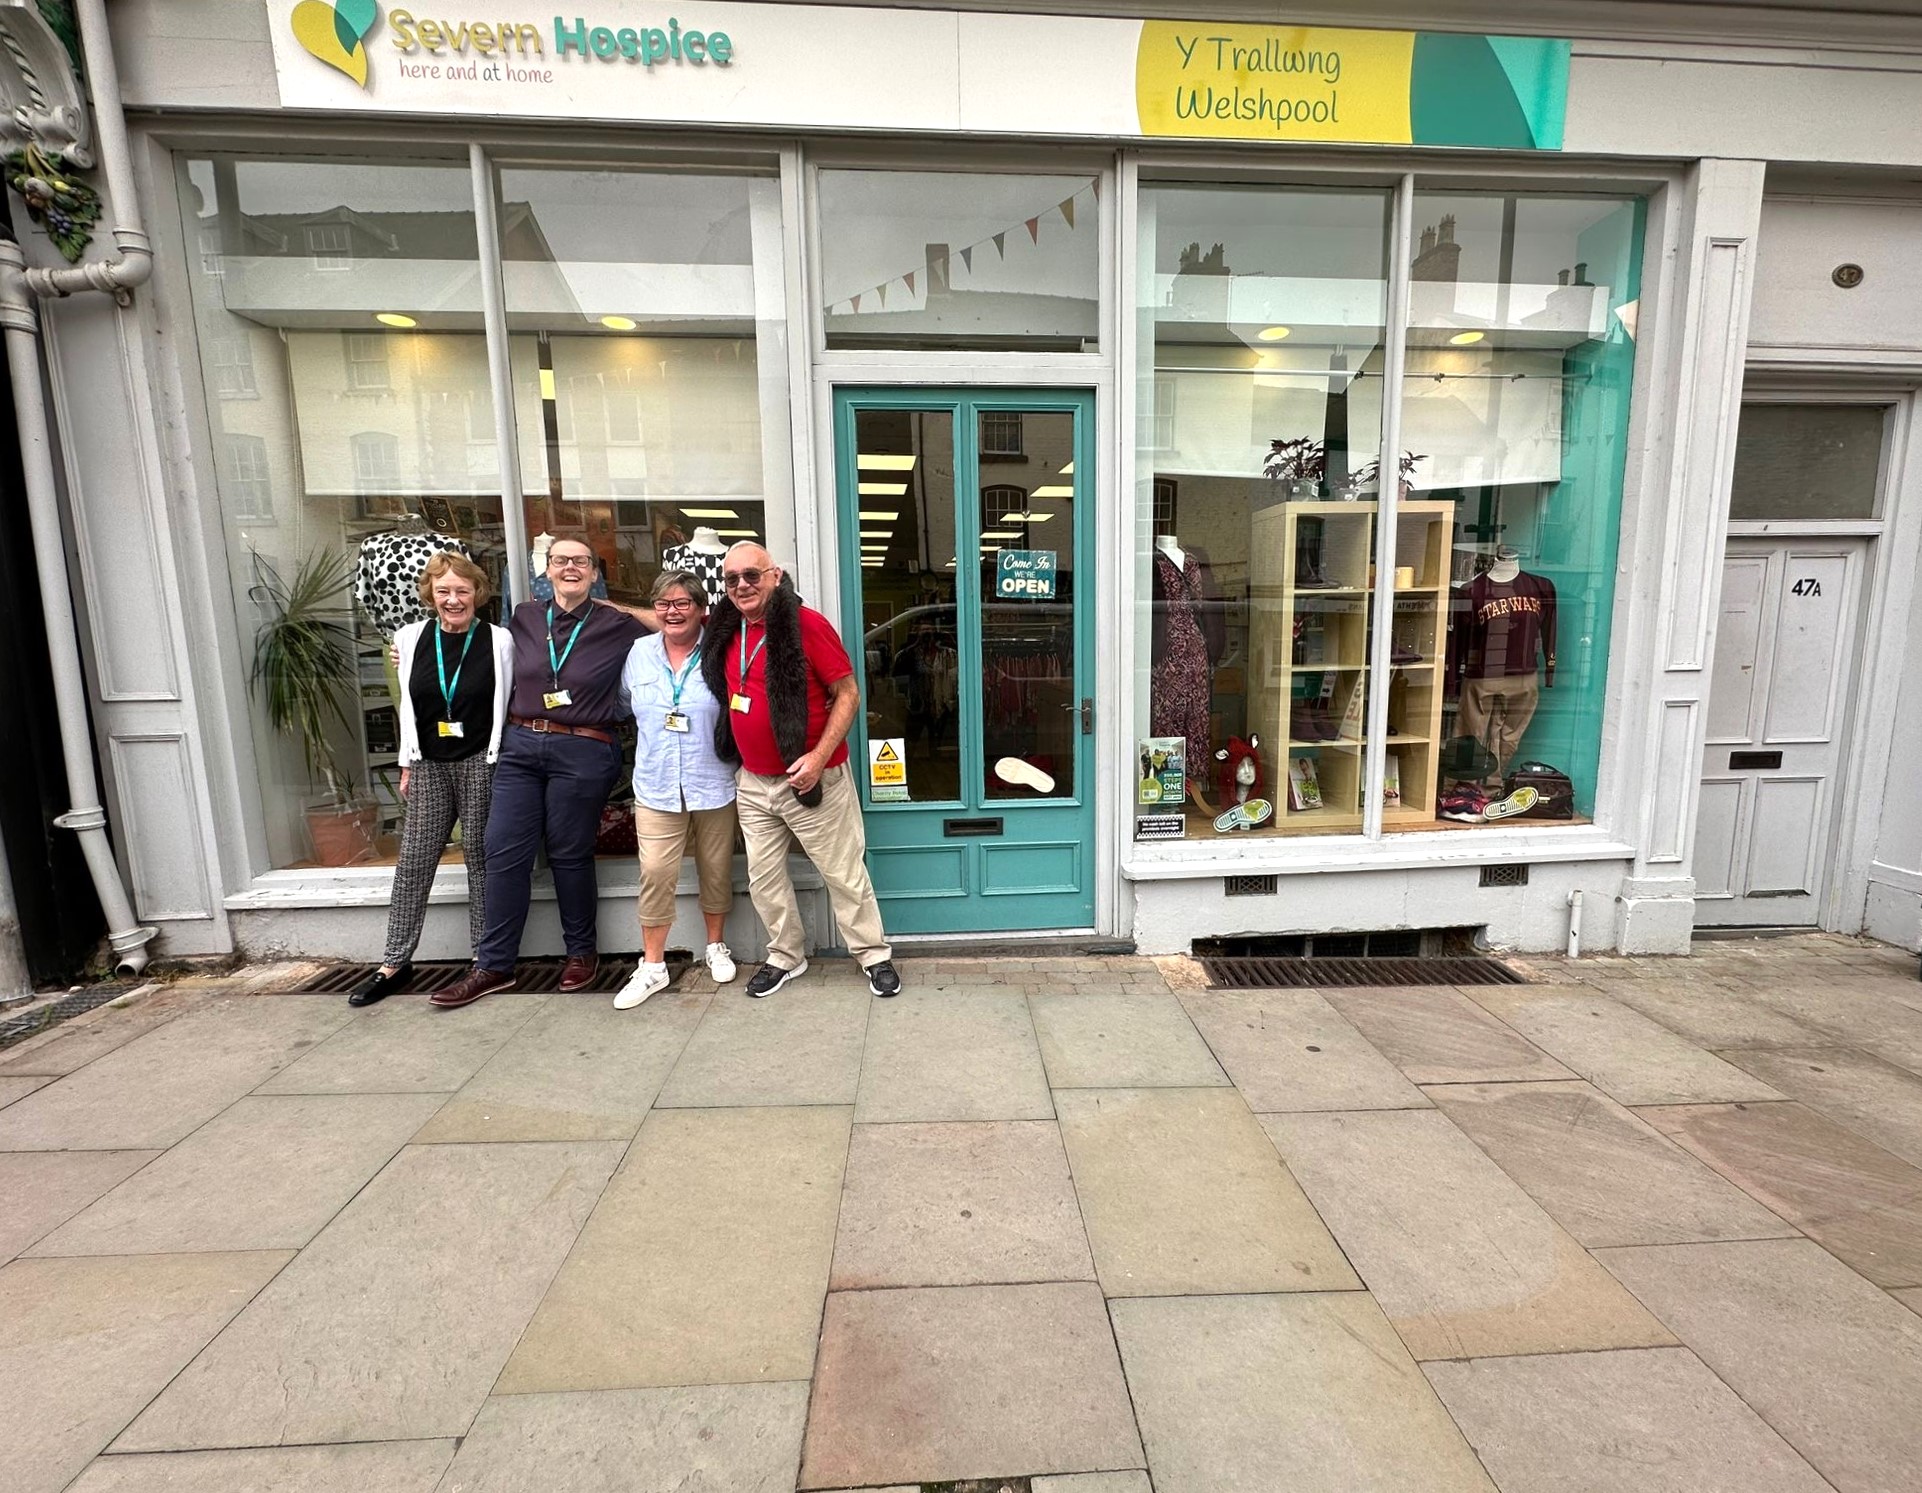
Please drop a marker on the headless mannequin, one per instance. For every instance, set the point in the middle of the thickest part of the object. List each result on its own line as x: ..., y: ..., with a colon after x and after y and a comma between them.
x: 1507, y: 565
x: 707, y: 541
x: 1170, y: 546
x: 1497, y: 706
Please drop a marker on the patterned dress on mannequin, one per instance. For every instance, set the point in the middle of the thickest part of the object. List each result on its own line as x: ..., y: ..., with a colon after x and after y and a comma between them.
x: 704, y: 564
x: 1180, y: 685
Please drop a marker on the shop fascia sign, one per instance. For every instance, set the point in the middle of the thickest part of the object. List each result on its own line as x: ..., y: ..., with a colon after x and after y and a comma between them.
x: 925, y: 70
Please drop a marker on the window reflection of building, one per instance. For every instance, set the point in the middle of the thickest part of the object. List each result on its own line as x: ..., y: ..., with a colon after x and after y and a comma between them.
x: 249, y: 480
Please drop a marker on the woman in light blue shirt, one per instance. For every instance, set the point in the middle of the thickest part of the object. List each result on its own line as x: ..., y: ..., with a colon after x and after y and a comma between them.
x: 683, y: 793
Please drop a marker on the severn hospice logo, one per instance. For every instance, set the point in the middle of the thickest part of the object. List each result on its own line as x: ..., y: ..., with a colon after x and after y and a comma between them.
x: 333, y: 33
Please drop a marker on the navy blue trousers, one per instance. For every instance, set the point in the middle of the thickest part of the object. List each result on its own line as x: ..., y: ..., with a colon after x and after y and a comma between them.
x: 547, y: 789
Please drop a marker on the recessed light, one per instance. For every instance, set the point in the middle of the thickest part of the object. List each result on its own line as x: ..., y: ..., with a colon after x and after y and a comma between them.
x: 1068, y: 470
x: 394, y: 319
x: 1052, y: 492
x: 885, y: 463
x: 1000, y: 534
x: 881, y: 489
x: 709, y: 513
x: 1466, y: 339
x: 547, y: 386
x: 618, y: 323
x: 1029, y: 518
x: 1272, y: 334
x: 738, y: 533
x: 990, y: 549
x: 876, y: 516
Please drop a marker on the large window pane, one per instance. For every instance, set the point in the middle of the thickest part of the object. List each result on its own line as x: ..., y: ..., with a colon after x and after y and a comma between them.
x: 1514, y: 420
x: 1808, y: 461
x: 948, y: 259
x: 1262, y: 316
x: 647, y: 306
x: 338, y: 311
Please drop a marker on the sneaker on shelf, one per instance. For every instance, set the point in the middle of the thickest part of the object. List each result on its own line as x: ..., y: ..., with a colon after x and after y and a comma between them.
x: 1519, y: 802
x: 645, y: 981
x: 771, y: 977
x: 883, y: 979
x: 720, y: 963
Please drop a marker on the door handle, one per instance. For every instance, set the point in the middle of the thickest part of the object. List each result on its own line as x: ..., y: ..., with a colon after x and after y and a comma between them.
x: 1087, y: 716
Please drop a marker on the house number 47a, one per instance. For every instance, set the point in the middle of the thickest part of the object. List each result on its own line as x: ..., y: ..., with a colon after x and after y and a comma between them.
x: 1808, y: 585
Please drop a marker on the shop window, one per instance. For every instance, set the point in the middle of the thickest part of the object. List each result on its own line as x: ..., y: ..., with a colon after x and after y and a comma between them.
x: 959, y: 260
x: 1001, y: 433
x: 1808, y: 462
x: 1327, y: 649
x: 367, y: 361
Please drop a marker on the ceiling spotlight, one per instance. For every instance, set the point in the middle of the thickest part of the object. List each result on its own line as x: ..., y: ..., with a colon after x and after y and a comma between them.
x: 394, y: 319
x: 618, y: 323
x: 1466, y: 339
x: 1272, y: 334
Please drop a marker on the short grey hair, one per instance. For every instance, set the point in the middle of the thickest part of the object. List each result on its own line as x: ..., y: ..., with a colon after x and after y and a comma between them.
x: 681, y: 580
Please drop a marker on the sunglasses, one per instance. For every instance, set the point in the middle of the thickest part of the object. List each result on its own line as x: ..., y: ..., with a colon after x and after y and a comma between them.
x: 736, y: 578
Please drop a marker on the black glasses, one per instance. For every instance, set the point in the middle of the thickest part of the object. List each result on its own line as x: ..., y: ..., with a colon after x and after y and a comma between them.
x: 570, y: 562
x: 674, y: 608
x: 736, y: 578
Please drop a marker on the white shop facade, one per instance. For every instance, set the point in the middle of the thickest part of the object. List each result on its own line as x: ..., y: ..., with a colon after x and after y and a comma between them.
x: 1062, y: 359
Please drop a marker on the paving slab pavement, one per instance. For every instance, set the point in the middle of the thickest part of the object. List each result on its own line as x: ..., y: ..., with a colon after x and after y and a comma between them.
x: 1072, y: 1225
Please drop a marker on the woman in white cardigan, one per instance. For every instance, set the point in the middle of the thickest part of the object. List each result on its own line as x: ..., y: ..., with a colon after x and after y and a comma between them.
x: 455, y: 675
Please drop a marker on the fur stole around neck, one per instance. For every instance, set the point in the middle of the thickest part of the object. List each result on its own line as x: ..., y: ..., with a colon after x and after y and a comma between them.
x: 786, y: 676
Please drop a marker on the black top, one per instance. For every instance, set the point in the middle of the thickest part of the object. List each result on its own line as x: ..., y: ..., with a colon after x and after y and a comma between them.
x: 591, y: 674
x: 473, y: 694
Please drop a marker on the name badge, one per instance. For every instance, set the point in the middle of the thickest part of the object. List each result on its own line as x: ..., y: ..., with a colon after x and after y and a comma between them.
x: 555, y: 699
x: 452, y: 728
x: 676, y: 720
x: 739, y: 703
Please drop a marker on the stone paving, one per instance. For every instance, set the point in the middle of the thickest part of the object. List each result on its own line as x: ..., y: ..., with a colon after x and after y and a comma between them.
x: 1048, y: 1226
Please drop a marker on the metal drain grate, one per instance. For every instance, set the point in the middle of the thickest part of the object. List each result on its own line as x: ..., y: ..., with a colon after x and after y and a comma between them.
x: 1505, y: 875
x: 1290, y: 974
x: 531, y: 976
x: 31, y: 1023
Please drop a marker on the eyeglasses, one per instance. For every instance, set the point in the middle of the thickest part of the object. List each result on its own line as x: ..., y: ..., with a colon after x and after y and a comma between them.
x: 673, y: 608
x: 570, y: 562
x: 735, y: 579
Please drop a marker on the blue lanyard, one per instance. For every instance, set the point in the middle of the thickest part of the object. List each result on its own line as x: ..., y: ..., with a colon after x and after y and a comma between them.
x: 747, y: 659
x: 687, y: 668
x: 440, y: 662
x: 556, y: 663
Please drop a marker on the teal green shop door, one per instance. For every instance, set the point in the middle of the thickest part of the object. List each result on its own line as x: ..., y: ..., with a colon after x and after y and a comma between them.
x: 966, y: 526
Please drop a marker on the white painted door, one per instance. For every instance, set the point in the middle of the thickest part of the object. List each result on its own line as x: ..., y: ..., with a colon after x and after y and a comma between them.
x: 1778, y: 707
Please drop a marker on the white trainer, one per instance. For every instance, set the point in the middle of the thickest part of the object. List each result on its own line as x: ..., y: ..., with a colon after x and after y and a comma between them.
x: 720, y: 963
x: 640, y: 985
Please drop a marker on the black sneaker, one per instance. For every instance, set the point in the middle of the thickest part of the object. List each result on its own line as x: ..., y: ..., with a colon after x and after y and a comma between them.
x: 883, y: 979
x: 771, y: 977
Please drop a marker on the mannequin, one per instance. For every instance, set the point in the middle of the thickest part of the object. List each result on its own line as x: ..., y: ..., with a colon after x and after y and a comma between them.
x: 702, y: 556
x: 1501, y: 654
x: 1187, y: 635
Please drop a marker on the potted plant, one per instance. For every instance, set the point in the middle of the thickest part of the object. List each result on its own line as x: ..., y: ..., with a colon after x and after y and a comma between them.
x: 1301, y: 463
x: 1366, y: 478
x: 303, y: 668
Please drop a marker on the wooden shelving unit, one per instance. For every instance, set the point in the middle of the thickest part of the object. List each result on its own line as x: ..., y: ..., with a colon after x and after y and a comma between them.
x: 1308, y: 686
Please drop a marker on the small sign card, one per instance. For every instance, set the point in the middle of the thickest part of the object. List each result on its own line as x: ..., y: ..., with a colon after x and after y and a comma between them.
x: 1160, y: 826
x: 1025, y: 575
x: 888, y: 770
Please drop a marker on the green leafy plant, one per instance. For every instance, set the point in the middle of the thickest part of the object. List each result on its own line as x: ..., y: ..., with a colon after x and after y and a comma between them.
x: 304, y: 659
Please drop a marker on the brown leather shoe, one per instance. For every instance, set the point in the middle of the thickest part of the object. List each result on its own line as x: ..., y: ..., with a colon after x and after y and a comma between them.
x: 471, y: 987
x: 578, y: 972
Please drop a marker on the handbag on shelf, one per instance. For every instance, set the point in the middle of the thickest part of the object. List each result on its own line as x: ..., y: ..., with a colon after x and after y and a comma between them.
x: 1555, y: 794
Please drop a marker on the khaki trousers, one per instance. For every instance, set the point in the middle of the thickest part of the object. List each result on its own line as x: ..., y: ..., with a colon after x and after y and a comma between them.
x: 1496, y: 712
x: 665, y: 839
x: 832, y: 836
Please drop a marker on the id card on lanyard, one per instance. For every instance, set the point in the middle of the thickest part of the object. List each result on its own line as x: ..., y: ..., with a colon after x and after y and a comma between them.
x: 447, y: 725
x: 740, y: 702
x: 677, y: 720
x: 555, y: 698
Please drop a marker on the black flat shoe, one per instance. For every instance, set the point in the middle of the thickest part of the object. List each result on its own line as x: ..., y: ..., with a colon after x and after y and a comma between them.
x: 377, y: 987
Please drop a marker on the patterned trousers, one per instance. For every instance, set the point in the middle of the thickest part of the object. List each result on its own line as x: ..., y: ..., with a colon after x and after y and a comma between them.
x: 438, y: 793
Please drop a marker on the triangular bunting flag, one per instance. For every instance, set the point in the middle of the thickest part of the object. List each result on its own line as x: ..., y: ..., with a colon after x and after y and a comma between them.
x: 1034, y: 229
x: 856, y: 304
x: 1097, y: 189
x: 909, y: 277
x: 1067, y: 210
x: 1001, y: 244
x: 967, y: 260
x: 884, y: 294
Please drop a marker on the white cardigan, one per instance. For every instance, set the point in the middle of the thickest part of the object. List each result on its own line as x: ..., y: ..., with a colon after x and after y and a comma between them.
x: 407, y: 640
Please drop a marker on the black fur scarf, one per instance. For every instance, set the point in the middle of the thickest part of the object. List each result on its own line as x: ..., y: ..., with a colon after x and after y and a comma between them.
x: 787, y: 671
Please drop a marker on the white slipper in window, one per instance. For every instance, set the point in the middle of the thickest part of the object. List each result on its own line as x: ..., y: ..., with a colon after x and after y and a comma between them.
x: 1023, y: 774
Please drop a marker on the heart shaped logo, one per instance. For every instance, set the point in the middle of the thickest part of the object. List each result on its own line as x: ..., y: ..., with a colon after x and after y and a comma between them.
x: 333, y: 33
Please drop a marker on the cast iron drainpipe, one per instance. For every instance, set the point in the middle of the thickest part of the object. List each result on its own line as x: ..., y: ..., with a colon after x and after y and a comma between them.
x: 20, y: 320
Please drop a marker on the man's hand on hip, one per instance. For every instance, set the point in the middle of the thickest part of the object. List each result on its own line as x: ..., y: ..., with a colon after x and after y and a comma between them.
x: 806, y: 771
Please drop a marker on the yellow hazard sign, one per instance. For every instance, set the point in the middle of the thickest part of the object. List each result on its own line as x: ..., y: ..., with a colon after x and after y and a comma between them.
x: 888, y: 770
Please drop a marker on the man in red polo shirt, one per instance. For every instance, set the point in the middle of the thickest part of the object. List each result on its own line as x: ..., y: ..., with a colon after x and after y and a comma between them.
x: 791, y: 696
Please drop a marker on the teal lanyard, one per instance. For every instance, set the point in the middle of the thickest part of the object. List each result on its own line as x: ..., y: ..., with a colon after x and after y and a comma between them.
x: 556, y: 663
x: 680, y: 682
x: 747, y: 659
x: 448, y: 687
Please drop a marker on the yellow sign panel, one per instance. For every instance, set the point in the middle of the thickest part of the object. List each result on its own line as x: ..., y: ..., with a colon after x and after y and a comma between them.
x: 1312, y: 83
x: 887, y: 770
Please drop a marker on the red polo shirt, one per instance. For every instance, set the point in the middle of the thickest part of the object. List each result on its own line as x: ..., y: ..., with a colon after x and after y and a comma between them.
x: 827, y: 662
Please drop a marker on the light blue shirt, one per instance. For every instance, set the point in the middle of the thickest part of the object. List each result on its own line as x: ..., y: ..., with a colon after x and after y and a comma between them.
x: 673, y: 770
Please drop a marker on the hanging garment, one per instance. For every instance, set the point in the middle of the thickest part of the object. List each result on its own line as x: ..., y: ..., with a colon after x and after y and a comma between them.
x: 1181, y: 684
x: 387, y: 575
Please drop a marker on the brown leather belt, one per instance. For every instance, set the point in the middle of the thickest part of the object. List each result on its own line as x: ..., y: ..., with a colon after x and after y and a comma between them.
x: 545, y: 727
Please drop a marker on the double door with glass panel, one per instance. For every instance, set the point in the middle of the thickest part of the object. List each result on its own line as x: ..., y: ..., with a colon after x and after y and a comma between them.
x: 966, y: 556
